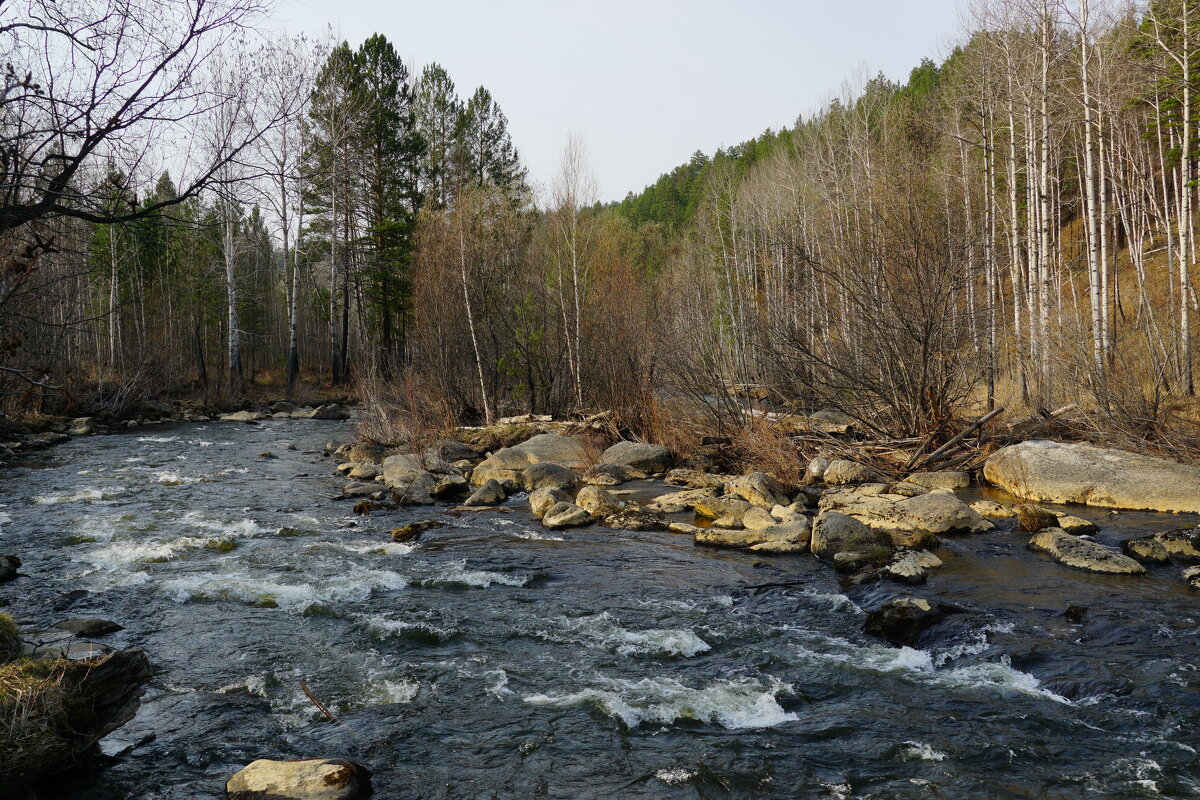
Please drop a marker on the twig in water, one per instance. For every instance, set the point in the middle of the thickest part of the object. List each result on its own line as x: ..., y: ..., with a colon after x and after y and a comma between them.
x: 329, y: 715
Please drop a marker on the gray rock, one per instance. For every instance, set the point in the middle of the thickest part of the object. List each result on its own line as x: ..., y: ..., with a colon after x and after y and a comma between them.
x: 359, y: 489
x: 547, y: 476
x: 1082, y: 554
x: 1191, y: 576
x: 241, y: 416
x: 1148, y: 549
x: 565, y: 515
x: 641, y: 459
x: 449, y: 486
x: 598, y: 502
x: 841, y: 472
x: 911, y: 566
x: 721, y: 507
x: 695, y: 479
x: 758, y: 489
x: 941, y: 480
x: 1054, y: 472
x: 309, y: 779
x: 815, y: 471
x: 607, y: 475
x: 451, y: 450
x: 838, y: 533
x: 85, y: 626
x: 365, y: 472
x: 489, y: 494
x: 329, y: 411
x: 541, y: 500
x: 509, y: 463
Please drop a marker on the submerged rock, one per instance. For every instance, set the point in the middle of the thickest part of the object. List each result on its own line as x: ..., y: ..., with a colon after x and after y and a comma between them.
x: 902, y: 621
x: 1191, y: 576
x: 86, y: 626
x: 413, y: 530
x: 8, y: 568
x: 309, y: 779
x: 565, y: 515
x: 1054, y: 472
x: 1082, y: 554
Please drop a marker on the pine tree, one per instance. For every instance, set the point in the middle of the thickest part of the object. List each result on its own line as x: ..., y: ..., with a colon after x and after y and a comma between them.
x: 486, y: 154
x: 439, y: 114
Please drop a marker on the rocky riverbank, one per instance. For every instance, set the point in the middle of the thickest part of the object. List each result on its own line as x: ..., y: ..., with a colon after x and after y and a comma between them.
x: 842, y: 513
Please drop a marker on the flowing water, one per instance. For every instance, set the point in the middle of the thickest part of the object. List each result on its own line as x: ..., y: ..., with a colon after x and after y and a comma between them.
x: 497, y: 660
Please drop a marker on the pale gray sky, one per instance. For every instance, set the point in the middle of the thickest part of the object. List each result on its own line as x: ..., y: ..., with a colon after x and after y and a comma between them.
x: 645, y: 82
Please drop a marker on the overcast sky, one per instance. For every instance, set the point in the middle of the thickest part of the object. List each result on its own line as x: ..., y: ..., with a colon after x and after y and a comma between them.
x: 645, y: 82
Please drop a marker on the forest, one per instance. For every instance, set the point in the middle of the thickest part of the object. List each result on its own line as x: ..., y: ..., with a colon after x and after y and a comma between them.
x: 238, y: 213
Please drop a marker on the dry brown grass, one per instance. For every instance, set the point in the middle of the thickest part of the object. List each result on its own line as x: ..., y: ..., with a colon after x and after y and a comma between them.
x: 406, y: 412
x: 35, y: 712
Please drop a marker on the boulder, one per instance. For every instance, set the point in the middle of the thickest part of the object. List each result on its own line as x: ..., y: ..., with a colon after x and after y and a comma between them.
x: 1191, y: 576
x: 449, y: 486
x: 675, y: 502
x: 598, y: 502
x: 815, y: 471
x: 721, y: 507
x: 695, y: 479
x: 399, y: 470
x: 282, y: 407
x: 1055, y: 472
x: 758, y: 489
x: 451, y: 450
x: 790, y: 537
x: 841, y: 472
x: 365, y: 472
x: 547, y: 475
x: 508, y: 463
x: 948, y: 479
x: 241, y: 416
x: 1082, y: 554
x: 541, y: 500
x: 413, y: 530
x: 631, y: 519
x: 911, y: 566
x: 489, y: 494
x: 908, y: 520
x: 606, y: 475
x: 360, y: 489
x: 1076, y: 525
x: 87, y: 627
x: 367, y: 453
x: 991, y: 510
x: 834, y: 533
x: 8, y: 568
x: 643, y: 460
x: 1183, y: 544
x: 565, y: 515
x: 308, y: 779
x: 1148, y: 549
x: 901, y: 622
x: 416, y: 490
x: 329, y: 411
x: 757, y: 519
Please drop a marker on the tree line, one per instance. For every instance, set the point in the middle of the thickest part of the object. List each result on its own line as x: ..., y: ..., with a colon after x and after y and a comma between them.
x: 1012, y: 226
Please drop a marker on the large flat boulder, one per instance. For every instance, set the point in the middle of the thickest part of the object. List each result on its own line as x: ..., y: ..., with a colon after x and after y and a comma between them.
x: 308, y: 779
x: 643, y: 459
x: 908, y: 519
x: 1055, y: 472
x: 789, y: 537
x: 1082, y: 553
x: 834, y: 533
x: 508, y: 463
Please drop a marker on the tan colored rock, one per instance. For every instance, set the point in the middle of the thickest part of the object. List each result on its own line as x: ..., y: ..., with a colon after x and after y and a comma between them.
x: 508, y: 463
x: 758, y: 489
x: 565, y: 515
x: 790, y: 537
x: 310, y: 779
x: 598, y: 502
x: 833, y: 533
x: 718, y: 507
x: 991, y: 510
x: 1082, y: 553
x: 639, y: 458
x: 695, y: 479
x: 757, y: 519
x: 947, y: 479
x: 541, y: 500
x: 841, y: 472
x: 674, y: 502
x: 1054, y: 472
x: 1076, y: 525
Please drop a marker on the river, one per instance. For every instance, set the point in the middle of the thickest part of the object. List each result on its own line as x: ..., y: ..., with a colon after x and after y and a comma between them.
x: 494, y: 659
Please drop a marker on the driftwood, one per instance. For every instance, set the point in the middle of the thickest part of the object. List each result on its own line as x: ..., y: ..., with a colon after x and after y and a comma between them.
x: 329, y: 715
x: 934, y: 457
